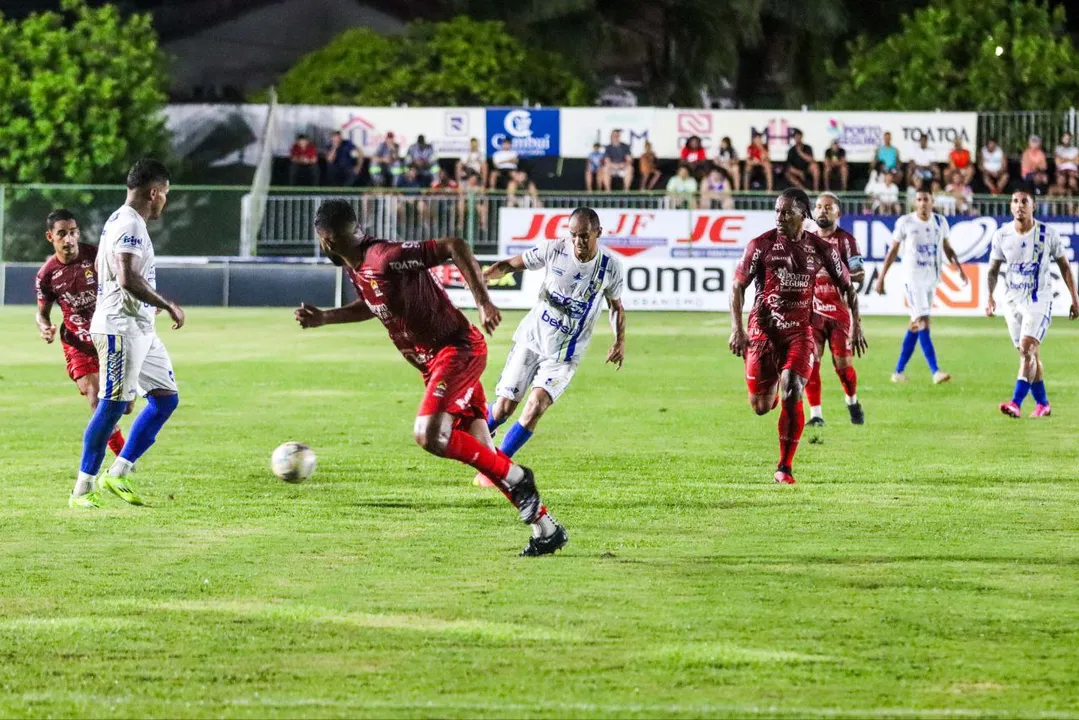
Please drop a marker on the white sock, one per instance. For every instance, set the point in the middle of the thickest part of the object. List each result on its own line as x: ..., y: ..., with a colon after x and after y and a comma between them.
x: 815, y: 412
x: 852, y: 399
x: 516, y: 475
x: 121, y: 467
x: 84, y: 484
x: 544, y: 527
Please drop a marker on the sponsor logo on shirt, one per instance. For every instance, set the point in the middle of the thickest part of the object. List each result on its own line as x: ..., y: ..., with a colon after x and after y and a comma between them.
x: 556, y: 323
x: 791, y: 280
x: 406, y: 265
x: 131, y: 241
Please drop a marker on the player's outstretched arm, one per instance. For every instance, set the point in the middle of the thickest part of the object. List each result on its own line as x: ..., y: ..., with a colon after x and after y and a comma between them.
x: 310, y: 316
x: 857, y: 341
x: 45, y: 328
x: 135, y: 284
x: 954, y: 260
x: 739, y: 341
x: 994, y: 275
x: 1066, y: 273
x: 504, y: 267
x: 617, y: 353
x: 893, y: 253
x: 459, y: 251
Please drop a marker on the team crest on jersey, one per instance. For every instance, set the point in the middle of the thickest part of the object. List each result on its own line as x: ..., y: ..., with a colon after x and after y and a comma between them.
x: 374, y: 288
x: 440, y: 390
x: 89, y: 274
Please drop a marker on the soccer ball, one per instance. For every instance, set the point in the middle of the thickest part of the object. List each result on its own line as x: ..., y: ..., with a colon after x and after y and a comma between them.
x: 293, y: 462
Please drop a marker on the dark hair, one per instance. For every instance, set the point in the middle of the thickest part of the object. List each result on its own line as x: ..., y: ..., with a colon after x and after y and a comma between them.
x: 799, y: 196
x: 588, y: 214
x: 1027, y: 189
x: 58, y: 215
x: 334, y: 215
x: 147, y: 172
x: 421, y: 139
x: 924, y: 190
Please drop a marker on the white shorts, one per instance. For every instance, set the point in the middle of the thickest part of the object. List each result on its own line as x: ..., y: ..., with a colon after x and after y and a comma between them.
x: 526, y: 368
x: 133, y: 365
x: 920, y: 299
x: 1030, y: 321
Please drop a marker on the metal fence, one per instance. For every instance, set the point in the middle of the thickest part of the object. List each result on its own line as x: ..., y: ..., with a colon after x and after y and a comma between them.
x: 1012, y: 129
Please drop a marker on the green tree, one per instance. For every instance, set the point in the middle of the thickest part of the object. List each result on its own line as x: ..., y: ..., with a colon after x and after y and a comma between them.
x: 964, y: 55
x: 458, y: 62
x: 81, y: 95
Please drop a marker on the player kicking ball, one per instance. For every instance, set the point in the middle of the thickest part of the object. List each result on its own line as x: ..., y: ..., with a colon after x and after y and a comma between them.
x: 134, y: 358
x: 393, y: 283
x: 921, y: 237
x: 551, y: 340
x: 779, y: 347
x: 1028, y: 249
x: 831, y: 316
x: 68, y: 279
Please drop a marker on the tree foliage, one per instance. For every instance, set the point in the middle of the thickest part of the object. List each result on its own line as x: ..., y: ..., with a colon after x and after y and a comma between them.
x: 458, y: 62
x: 965, y: 55
x: 81, y: 94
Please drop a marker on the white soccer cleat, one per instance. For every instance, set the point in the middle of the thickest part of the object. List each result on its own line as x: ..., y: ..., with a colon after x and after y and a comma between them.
x: 899, y: 378
x: 941, y: 377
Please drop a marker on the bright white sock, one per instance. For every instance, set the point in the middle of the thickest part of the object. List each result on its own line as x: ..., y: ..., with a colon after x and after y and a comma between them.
x: 84, y: 484
x: 815, y: 412
x: 515, y: 475
x: 852, y: 399
x: 121, y: 467
x: 544, y: 527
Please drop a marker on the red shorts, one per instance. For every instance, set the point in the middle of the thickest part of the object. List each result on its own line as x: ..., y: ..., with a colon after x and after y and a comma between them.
x: 770, y: 354
x: 453, y: 380
x: 79, y: 363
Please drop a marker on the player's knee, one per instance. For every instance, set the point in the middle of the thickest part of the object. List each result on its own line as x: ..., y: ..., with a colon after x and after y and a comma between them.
x: 761, y: 404
x: 431, y: 438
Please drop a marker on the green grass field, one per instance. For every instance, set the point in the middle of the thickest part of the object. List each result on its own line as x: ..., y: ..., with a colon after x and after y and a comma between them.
x: 926, y: 564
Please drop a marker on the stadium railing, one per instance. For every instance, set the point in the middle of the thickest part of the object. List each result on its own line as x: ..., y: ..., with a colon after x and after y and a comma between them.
x: 1012, y: 128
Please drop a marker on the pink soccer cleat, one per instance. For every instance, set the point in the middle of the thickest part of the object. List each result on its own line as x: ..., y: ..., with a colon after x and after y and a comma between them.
x: 784, y: 478
x: 482, y: 480
x: 1042, y: 411
x: 1011, y: 409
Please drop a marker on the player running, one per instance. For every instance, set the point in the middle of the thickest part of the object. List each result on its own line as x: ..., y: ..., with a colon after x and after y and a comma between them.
x: 68, y: 279
x: 921, y: 237
x: 831, y: 316
x: 134, y: 358
x: 779, y: 347
x: 1028, y: 248
x: 551, y: 339
x: 393, y: 284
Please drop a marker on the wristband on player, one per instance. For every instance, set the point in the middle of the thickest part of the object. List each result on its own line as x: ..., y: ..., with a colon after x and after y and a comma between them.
x: 856, y: 262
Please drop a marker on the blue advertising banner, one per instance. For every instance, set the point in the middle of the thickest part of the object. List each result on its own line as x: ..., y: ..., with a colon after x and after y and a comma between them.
x: 532, y: 132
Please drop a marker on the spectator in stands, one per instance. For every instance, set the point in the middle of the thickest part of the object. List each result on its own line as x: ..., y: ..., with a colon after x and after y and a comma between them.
x: 922, y: 170
x: 994, y: 171
x: 682, y: 188
x: 303, y: 157
x: 422, y: 156
x: 1033, y: 160
x: 959, y: 189
x: 650, y: 173
x: 473, y: 200
x: 727, y: 160
x: 695, y: 156
x: 1063, y: 194
x: 716, y: 190
x: 344, y: 162
x: 800, y: 163
x: 887, y: 154
x: 519, y: 181
x: 473, y: 163
x: 617, y: 162
x: 411, y: 180
x: 443, y: 183
x: 505, y: 161
x: 959, y: 159
x: 884, y: 196
x: 835, y: 161
x: 593, y: 167
x: 758, y: 161
x: 386, y: 162
x: 1066, y: 158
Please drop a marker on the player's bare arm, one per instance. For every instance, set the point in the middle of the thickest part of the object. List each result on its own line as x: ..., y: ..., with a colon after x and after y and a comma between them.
x: 893, y: 253
x: 840, y: 275
x: 504, y: 267
x: 858, y: 342
x: 132, y: 281
x: 45, y: 328
x: 458, y: 250
x: 994, y: 276
x: 954, y: 260
x: 617, y: 353
x: 1066, y: 273
x: 739, y: 341
x: 310, y: 316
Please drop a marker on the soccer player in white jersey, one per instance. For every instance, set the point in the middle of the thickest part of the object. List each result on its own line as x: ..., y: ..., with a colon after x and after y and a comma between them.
x: 133, y: 359
x: 552, y: 338
x: 1027, y: 249
x: 921, y: 237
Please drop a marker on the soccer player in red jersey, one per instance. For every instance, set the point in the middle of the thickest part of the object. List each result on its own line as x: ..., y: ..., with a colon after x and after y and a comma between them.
x: 394, y: 284
x: 831, y: 316
x: 68, y: 279
x: 779, y: 347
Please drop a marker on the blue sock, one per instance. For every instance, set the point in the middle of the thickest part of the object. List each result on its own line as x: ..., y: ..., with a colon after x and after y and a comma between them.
x: 144, y: 430
x: 95, y: 441
x: 910, y: 340
x: 1037, y: 389
x: 493, y: 424
x: 928, y: 350
x: 1022, y: 387
x: 515, y: 439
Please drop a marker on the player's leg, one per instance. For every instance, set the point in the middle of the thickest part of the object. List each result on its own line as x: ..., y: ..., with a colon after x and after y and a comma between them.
x: 89, y: 387
x: 550, y: 380
x: 1013, y: 407
x: 843, y: 361
x: 926, y: 340
x: 813, y: 385
x: 1035, y: 326
x: 797, y: 365
x: 910, y: 339
x: 513, y: 383
x: 762, y: 376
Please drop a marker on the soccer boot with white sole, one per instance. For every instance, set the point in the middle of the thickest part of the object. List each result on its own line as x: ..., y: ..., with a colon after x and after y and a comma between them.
x: 857, y: 416
x: 121, y: 488
x: 783, y: 476
x: 546, y: 545
x: 86, y: 501
x: 1042, y: 411
x: 899, y: 377
x: 1011, y: 409
x: 525, y: 497
x: 941, y: 377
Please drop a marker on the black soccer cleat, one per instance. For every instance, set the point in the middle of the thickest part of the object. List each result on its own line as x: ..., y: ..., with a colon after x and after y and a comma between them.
x: 816, y: 422
x: 857, y: 417
x: 547, y: 545
x: 526, y: 498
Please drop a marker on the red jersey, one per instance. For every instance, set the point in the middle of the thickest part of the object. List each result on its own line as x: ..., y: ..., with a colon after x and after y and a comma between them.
x: 694, y: 156
x: 785, y: 273
x: 74, y: 288
x: 396, y: 285
x: 828, y: 301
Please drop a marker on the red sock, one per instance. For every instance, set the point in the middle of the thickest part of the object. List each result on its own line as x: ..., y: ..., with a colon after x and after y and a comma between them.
x: 493, y: 463
x: 849, y: 378
x: 116, y: 442
x: 790, y: 432
x: 813, y: 386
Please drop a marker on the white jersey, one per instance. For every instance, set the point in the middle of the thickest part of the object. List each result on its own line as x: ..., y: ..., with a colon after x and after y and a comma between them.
x: 921, y: 247
x: 118, y: 312
x: 560, y: 326
x: 1027, y: 259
